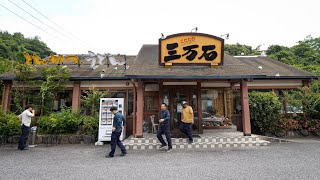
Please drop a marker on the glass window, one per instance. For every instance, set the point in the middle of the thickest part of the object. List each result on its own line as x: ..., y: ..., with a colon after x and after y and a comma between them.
x: 212, y: 103
x: 237, y: 109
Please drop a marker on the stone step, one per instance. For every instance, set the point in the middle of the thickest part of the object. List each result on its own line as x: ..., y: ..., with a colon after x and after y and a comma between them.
x: 198, y: 145
x: 197, y: 140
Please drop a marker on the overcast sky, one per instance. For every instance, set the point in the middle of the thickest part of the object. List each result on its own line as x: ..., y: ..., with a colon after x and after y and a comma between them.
x: 123, y: 26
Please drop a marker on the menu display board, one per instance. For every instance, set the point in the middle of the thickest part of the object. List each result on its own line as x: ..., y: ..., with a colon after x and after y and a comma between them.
x: 106, y: 117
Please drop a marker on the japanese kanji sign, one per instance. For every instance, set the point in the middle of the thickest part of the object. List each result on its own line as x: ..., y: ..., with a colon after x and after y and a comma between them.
x: 191, y: 48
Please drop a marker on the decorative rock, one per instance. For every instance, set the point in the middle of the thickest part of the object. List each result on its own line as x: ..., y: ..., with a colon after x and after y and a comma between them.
x: 268, y: 134
x: 46, y: 139
x: 74, y: 139
x: 87, y: 139
x: 304, y: 132
x: 3, y: 140
x: 280, y: 134
x: 39, y: 139
x: 14, y: 139
x: 317, y: 133
x: 64, y: 139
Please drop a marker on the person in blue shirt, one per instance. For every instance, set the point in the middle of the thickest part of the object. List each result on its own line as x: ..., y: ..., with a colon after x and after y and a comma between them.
x: 118, y: 124
x: 164, y: 128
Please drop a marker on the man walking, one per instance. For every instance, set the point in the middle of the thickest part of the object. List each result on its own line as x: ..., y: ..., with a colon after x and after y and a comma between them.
x: 118, y: 124
x: 187, y: 120
x: 164, y: 128
x: 25, y: 118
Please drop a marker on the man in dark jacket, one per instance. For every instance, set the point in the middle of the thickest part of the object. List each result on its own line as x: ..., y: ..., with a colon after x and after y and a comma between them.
x: 164, y: 127
x: 118, y: 124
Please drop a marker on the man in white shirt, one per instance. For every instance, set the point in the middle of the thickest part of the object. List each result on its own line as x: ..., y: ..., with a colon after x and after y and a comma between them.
x: 25, y: 118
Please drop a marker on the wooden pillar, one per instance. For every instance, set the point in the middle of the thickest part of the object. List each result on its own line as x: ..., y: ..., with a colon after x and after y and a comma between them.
x: 76, y: 95
x: 245, y: 108
x: 6, y: 95
x: 229, y: 103
x: 140, y: 107
x: 200, y: 129
x: 161, y: 98
x: 134, y: 118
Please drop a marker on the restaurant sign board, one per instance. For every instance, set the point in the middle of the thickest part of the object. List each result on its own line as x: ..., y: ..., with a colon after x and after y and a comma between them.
x: 191, y: 49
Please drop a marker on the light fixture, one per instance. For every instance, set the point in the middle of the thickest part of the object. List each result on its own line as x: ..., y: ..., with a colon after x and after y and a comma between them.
x: 226, y: 35
x: 194, y: 30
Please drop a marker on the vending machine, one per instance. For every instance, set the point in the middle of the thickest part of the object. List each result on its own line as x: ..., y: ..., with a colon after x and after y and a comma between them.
x: 106, y: 117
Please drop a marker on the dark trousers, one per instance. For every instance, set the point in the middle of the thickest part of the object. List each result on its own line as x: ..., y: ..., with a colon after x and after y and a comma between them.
x: 164, y: 129
x: 186, y: 128
x: 24, y: 137
x: 115, y: 140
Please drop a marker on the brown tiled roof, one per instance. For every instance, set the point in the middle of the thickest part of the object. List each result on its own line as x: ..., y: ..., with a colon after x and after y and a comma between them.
x: 146, y: 65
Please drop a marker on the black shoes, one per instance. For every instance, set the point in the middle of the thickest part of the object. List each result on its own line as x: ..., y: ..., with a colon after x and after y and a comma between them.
x: 170, y: 149
x: 123, y: 153
x: 26, y: 148
x: 190, y: 141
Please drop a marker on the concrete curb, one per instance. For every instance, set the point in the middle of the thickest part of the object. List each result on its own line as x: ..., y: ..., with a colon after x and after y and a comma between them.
x: 274, y: 139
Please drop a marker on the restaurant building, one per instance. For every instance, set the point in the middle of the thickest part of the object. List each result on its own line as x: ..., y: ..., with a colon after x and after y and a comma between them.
x: 185, y: 66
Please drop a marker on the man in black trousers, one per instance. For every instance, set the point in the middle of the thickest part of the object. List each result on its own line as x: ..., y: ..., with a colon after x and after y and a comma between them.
x: 118, y: 124
x: 25, y: 118
x: 164, y: 128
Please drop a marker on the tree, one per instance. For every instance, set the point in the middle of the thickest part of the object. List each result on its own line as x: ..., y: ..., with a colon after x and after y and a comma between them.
x: 55, y: 79
x: 305, y: 55
x: 91, y: 99
x: 13, y: 46
x: 23, y: 85
x: 239, y: 49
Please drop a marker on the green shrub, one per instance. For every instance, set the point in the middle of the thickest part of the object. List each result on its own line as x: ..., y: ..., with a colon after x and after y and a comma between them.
x: 308, y: 98
x: 90, y: 126
x: 69, y: 121
x: 311, y: 105
x: 265, y: 112
x: 10, y: 124
x: 64, y: 122
x: 13, y: 124
x: 47, y: 124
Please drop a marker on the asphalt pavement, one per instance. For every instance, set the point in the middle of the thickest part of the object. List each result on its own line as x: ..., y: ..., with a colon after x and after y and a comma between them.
x: 296, y: 160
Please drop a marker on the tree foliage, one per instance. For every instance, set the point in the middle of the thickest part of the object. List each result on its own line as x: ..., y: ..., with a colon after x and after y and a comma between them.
x: 305, y: 55
x: 91, y: 99
x: 55, y: 79
x: 23, y: 84
x: 12, y: 46
x: 308, y: 98
x: 240, y: 49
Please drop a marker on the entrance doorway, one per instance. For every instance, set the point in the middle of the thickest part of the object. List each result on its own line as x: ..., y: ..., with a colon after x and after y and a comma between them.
x: 173, y: 96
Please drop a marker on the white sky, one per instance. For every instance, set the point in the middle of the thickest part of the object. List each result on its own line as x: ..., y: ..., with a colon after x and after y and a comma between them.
x: 123, y: 26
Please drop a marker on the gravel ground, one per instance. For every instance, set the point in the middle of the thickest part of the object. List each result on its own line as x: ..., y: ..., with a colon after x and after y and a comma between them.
x: 299, y: 160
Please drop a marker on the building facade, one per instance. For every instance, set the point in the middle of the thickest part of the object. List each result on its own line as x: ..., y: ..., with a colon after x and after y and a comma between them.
x: 186, y: 66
